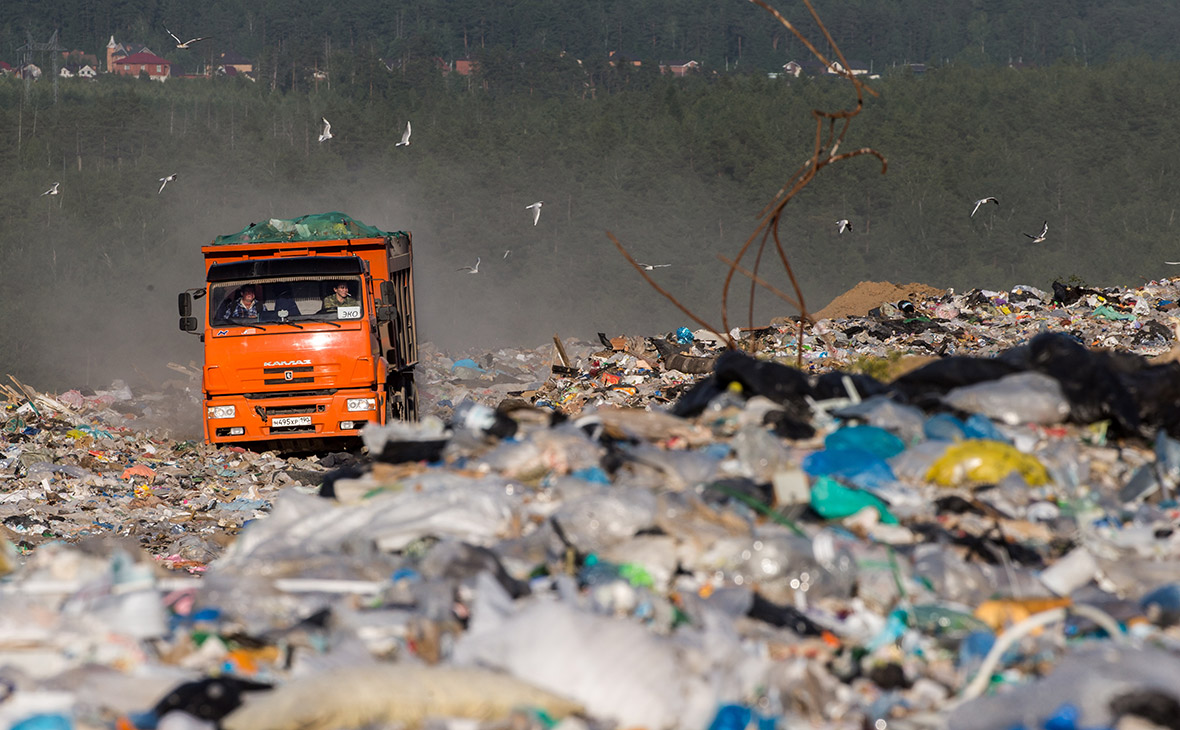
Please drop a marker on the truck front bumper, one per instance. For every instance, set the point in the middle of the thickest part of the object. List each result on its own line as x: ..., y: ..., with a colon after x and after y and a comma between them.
x: 238, y: 418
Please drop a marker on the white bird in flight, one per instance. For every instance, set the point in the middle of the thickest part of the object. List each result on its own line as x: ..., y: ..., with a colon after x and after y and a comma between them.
x: 983, y: 201
x: 327, y: 133
x: 164, y: 181
x: 507, y: 252
x: 1040, y: 236
x: 53, y: 190
x: 843, y: 225
x: 470, y: 269
x: 536, y: 210
x: 649, y: 267
x: 185, y: 44
x: 405, y: 137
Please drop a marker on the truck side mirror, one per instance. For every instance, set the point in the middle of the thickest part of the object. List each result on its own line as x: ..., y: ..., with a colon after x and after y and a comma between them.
x: 188, y: 324
x: 184, y: 302
x: 385, y: 310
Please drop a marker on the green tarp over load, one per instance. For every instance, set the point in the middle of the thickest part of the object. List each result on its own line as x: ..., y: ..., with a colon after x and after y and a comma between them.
x: 313, y: 227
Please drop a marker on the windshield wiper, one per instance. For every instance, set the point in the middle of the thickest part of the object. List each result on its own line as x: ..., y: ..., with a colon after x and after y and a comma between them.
x: 328, y: 321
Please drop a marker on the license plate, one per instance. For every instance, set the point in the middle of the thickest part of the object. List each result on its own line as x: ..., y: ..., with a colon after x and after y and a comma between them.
x: 290, y: 421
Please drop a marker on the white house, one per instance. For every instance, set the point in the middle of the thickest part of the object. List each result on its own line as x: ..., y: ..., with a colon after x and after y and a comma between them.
x: 72, y: 70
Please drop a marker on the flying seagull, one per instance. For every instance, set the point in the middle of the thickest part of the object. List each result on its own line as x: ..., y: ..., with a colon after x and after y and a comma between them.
x: 507, y: 252
x: 164, y: 181
x: 53, y: 190
x: 983, y: 201
x: 843, y: 225
x: 1040, y: 236
x: 470, y: 269
x: 405, y: 137
x: 327, y: 133
x: 1172, y: 263
x: 536, y: 210
x: 185, y: 44
x: 649, y: 267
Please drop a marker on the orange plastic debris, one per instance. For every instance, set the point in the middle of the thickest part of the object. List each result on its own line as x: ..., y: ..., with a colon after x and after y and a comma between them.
x: 139, y: 470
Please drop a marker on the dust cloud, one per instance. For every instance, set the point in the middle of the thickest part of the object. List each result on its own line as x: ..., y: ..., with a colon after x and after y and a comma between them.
x: 562, y: 276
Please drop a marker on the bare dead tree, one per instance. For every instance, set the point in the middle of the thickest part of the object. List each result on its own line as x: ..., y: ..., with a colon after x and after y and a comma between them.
x: 825, y: 151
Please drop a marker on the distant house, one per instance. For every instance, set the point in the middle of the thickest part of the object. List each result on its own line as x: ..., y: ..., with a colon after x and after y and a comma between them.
x: 855, y: 68
x: 73, y: 70
x: 464, y: 66
x: 793, y: 69
x: 241, y: 65
x: 680, y: 68
x: 116, y: 51
x: 158, y: 69
x: 5, y: 69
x: 30, y: 71
x: 617, y: 58
x: 813, y: 67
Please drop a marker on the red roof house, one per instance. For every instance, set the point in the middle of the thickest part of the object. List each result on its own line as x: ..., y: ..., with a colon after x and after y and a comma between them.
x: 158, y: 69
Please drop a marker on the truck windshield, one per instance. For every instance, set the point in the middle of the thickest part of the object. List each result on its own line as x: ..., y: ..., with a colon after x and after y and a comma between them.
x: 286, y: 299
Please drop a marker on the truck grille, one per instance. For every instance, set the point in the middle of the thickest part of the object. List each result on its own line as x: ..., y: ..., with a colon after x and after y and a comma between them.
x: 289, y: 393
x: 282, y: 372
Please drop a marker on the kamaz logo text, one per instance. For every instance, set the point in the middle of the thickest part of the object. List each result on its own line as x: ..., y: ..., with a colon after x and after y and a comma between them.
x: 285, y: 363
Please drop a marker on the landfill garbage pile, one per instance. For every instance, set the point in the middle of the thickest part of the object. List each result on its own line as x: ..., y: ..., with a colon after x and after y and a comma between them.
x: 944, y: 511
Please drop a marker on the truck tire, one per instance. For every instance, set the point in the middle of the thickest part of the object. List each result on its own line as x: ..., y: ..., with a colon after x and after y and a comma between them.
x: 401, y: 402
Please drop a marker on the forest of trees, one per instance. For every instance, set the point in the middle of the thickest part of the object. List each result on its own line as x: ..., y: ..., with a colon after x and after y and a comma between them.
x: 721, y: 34
x: 677, y: 169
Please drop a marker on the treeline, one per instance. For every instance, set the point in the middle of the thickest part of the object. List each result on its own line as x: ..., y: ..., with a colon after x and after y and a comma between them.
x: 285, y: 38
x: 677, y: 170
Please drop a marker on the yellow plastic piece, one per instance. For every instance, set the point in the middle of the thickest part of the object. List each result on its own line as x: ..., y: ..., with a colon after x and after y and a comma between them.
x: 1001, y: 613
x: 980, y: 461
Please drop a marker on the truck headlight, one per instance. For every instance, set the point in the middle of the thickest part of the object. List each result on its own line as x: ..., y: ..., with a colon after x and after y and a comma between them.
x: 362, y: 404
x: 222, y: 412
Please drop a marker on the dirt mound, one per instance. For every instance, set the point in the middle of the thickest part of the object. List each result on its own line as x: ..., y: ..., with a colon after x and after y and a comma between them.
x: 857, y: 301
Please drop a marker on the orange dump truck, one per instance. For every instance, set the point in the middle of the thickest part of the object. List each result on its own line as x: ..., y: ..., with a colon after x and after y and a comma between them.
x: 309, y: 330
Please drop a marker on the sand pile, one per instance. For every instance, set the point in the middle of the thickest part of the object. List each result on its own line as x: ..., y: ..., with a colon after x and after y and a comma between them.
x: 857, y: 301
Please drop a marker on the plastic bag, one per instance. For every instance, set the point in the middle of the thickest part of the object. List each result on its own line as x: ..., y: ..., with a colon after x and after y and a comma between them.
x: 984, y: 462
x: 1029, y: 397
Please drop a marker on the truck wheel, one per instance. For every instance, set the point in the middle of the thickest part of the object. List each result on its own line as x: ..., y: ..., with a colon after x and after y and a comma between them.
x: 401, y: 402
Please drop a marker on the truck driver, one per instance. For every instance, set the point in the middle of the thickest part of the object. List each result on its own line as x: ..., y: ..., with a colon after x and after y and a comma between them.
x: 339, y: 298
